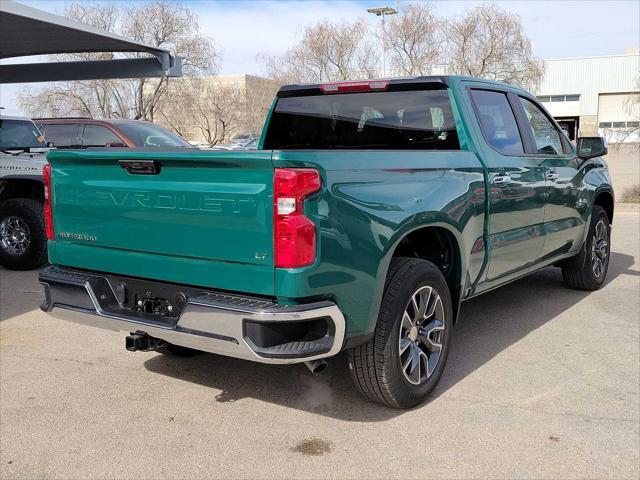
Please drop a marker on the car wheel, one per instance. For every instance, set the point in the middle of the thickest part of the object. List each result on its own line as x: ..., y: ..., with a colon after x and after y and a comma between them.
x: 589, y: 269
x: 405, y: 358
x: 23, y: 240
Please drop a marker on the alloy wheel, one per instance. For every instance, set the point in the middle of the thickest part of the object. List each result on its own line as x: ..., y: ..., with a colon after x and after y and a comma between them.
x: 15, y: 235
x: 599, y: 249
x: 421, y: 335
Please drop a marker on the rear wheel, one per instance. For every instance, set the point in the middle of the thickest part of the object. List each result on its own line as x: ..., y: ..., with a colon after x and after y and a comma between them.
x: 404, y: 360
x: 23, y: 240
x: 589, y: 269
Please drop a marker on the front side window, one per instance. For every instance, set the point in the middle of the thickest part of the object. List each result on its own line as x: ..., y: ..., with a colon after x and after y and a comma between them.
x: 497, y: 121
x: 546, y: 135
x: 19, y: 134
x: 98, y: 136
x: 415, y: 120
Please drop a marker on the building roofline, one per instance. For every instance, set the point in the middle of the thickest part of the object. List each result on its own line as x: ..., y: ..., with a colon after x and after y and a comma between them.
x: 592, y: 56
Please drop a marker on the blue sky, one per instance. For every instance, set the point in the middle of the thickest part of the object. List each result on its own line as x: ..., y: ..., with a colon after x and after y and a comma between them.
x: 243, y: 29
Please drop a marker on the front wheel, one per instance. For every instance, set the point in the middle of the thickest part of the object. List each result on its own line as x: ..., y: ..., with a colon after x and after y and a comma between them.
x: 404, y: 360
x: 589, y: 269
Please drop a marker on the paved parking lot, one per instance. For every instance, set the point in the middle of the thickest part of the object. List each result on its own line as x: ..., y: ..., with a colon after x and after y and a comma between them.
x: 542, y: 382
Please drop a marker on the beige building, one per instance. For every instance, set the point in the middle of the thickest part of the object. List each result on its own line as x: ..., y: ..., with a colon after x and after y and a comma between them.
x: 212, y: 110
x: 257, y: 95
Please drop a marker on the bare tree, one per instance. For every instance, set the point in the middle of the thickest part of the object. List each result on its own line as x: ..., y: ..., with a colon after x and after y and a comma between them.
x: 632, y: 109
x: 203, y: 107
x: 161, y: 24
x: 414, y: 40
x: 168, y: 25
x: 489, y: 42
x: 327, y: 51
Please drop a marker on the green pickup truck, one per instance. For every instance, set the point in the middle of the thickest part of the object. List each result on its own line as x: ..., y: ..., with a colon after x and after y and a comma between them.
x: 368, y: 213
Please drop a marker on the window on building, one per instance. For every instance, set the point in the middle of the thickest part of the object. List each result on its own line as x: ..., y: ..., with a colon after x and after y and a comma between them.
x: 497, y: 121
x: 546, y: 136
x: 619, y: 124
x: 604, y: 125
x: 634, y: 124
x: 559, y: 98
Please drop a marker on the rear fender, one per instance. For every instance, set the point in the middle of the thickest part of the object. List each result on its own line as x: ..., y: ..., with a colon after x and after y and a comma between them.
x: 434, y: 219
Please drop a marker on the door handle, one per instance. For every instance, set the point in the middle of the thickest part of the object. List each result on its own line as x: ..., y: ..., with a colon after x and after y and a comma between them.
x: 501, y: 180
x: 552, y: 176
x: 141, y: 167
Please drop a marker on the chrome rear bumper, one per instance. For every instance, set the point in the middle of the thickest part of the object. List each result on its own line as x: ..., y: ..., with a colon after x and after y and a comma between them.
x: 211, y: 321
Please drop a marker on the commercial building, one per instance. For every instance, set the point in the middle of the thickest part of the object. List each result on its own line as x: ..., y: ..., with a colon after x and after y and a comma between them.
x: 595, y: 95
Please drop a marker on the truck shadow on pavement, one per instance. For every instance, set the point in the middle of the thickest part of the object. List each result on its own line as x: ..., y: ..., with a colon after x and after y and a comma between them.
x: 487, y: 325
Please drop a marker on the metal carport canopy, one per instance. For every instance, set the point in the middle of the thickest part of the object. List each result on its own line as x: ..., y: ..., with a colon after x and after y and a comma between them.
x: 26, y: 31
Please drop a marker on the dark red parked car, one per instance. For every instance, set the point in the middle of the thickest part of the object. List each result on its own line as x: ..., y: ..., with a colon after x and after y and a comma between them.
x: 88, y: 132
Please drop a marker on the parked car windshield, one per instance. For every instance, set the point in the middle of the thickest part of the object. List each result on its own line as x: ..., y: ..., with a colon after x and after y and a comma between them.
x: 20, y: 134
x: 417, y: 120
x: 144, y: 134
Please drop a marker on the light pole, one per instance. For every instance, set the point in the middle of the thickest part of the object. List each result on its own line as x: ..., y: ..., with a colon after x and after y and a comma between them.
x: 381, y: 12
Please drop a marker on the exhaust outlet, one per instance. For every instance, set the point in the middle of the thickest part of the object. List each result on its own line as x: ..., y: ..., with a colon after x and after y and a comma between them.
x: 316, y: 366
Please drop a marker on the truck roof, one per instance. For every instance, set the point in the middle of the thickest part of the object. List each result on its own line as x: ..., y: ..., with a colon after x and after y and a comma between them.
x: 438, y: 81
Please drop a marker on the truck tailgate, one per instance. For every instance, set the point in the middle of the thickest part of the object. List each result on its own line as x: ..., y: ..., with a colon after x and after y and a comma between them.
x: 206, y: 218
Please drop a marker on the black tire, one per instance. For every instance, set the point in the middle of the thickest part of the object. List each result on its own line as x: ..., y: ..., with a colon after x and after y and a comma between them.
x: 580, y: 273
x: 177, y: 350
x: 376, y: 366
x: 30, y: 214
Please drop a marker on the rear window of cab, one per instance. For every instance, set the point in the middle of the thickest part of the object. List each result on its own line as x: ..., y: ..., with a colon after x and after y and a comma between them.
x: 393, y: 120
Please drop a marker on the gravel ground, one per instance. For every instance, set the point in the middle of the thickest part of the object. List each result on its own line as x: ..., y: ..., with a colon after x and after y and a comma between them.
x: 542, y: 382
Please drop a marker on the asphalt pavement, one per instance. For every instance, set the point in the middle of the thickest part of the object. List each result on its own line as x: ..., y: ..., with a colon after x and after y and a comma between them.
x: 541, y: 382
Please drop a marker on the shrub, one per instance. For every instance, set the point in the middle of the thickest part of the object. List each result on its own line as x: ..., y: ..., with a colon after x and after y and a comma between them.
x: 631, y: 194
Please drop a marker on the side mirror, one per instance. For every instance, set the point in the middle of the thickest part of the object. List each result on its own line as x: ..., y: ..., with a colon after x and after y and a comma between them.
x: 591, y: 147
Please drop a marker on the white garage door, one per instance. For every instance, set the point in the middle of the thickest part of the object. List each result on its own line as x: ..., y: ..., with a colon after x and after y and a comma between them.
x: 619, y: 117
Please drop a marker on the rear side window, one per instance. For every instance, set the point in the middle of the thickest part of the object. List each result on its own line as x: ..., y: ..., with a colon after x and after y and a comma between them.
x: 416, y: 120
x: 98, y: 136
x: 497, y: 121
x: 546, y: 136
x: 62, y: 135
x: 145, y: 134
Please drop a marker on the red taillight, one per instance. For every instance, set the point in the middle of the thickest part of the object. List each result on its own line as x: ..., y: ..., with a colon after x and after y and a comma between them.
x: 294, y: 234
x: 48, y: 217
x: 358, y: 86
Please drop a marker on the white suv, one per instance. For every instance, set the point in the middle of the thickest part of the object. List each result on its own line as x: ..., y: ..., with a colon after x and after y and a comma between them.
x: 23, y: 151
